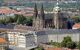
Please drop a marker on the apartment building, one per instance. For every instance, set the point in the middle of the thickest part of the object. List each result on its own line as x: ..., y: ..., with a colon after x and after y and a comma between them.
x: 24, y: 39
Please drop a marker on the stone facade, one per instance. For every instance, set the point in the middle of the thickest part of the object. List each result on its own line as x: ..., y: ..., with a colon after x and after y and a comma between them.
x: 57, y: 35
x: 57, y: 20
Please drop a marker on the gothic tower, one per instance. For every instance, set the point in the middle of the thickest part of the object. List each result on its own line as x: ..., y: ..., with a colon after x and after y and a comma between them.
x: 57, y: 19
x: 42, y: 16
x: 35, y: 15
x: 38, y: 19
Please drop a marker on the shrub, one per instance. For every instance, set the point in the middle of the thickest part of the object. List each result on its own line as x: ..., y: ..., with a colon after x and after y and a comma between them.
x: 78, y: 45
x: 71, y: 45
x: 55, y: 44
x: 65, y: 41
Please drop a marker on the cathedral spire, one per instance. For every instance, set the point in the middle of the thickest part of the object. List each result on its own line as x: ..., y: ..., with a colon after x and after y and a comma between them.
x: 56, y: 7
x: 35, y: 10
x: 57, y: 2
x: 42, y: 12
x: 35, y: 15
x: 56, y: 11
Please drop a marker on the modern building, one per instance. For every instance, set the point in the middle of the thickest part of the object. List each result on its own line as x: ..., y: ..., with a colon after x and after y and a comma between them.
x: 22, y: 38
x: 4, y: 45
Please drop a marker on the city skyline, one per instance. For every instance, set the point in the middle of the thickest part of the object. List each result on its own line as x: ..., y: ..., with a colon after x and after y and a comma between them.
x: 39, y: 24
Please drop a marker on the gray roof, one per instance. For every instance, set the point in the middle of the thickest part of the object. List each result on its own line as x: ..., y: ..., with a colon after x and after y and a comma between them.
x: 44, y: 31
x: 8, y: 26
x: 58, y: 31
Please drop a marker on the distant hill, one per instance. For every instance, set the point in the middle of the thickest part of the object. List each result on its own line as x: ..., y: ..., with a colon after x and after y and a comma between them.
x: 33, y: 0
x: 47, y: 3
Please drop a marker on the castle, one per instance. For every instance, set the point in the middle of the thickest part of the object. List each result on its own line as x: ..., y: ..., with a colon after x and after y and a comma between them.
x: 58, y: 21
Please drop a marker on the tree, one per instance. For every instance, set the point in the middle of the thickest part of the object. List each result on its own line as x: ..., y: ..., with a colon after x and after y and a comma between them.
x: 71, y: 45
x: 9, y: 20
x: 76, y: 19
x: 39, y: 48
x: 2, y: 21
x: 78, y: 45
x: 20, y: 19
x: 16, y: 17
x: 28, y: 21
x: 65, y: 41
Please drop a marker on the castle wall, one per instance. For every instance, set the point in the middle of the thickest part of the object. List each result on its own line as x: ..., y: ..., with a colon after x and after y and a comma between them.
x: 57, y: 35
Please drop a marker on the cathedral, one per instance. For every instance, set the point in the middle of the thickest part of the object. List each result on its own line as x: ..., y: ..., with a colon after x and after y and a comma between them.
x: 58, y: 20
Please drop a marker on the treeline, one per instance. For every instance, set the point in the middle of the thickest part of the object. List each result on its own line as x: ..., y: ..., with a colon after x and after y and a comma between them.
x: 17, y: 19
x: 76, y: 19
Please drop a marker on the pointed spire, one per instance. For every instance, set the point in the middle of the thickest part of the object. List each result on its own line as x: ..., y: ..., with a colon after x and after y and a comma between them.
x: 35, y: 10
x: 42, y: 11
x: 57, y: 4
x: 57, y: 8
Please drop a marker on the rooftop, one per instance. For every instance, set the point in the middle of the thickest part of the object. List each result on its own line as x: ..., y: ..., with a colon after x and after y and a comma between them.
x: 76, y: 26
x: 41, y: 31
x: 2, y: 40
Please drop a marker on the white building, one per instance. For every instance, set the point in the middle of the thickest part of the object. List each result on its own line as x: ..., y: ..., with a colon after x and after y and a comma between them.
x: 24, y: 39
x: 57, y: 35
x: 28, y: 37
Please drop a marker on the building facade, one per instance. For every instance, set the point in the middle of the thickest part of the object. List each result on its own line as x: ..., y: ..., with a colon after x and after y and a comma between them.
x: 28, y: 37
x: 22, y: 39
x: 58, y: 20
x: 31, y: 39
x: 57, y: 35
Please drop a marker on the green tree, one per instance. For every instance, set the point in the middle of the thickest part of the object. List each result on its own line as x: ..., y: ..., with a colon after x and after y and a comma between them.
x: 2, y: 21
x: 78, y: 45
x: 20, y: 19
x: 9, y: 20
x: 65, y: 41
x: 28, y: 21
x: 71, y: 45
x: 39, y: 48
x: 55, y: 44
x: 16, y: 17
x: 76, y: 19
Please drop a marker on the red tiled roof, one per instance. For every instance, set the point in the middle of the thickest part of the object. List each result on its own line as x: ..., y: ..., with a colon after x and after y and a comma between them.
x: 76, y: 26
x: 53, y: 49
x: 2, y: 40
x: 7, y: 11
x: 11, y: 11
